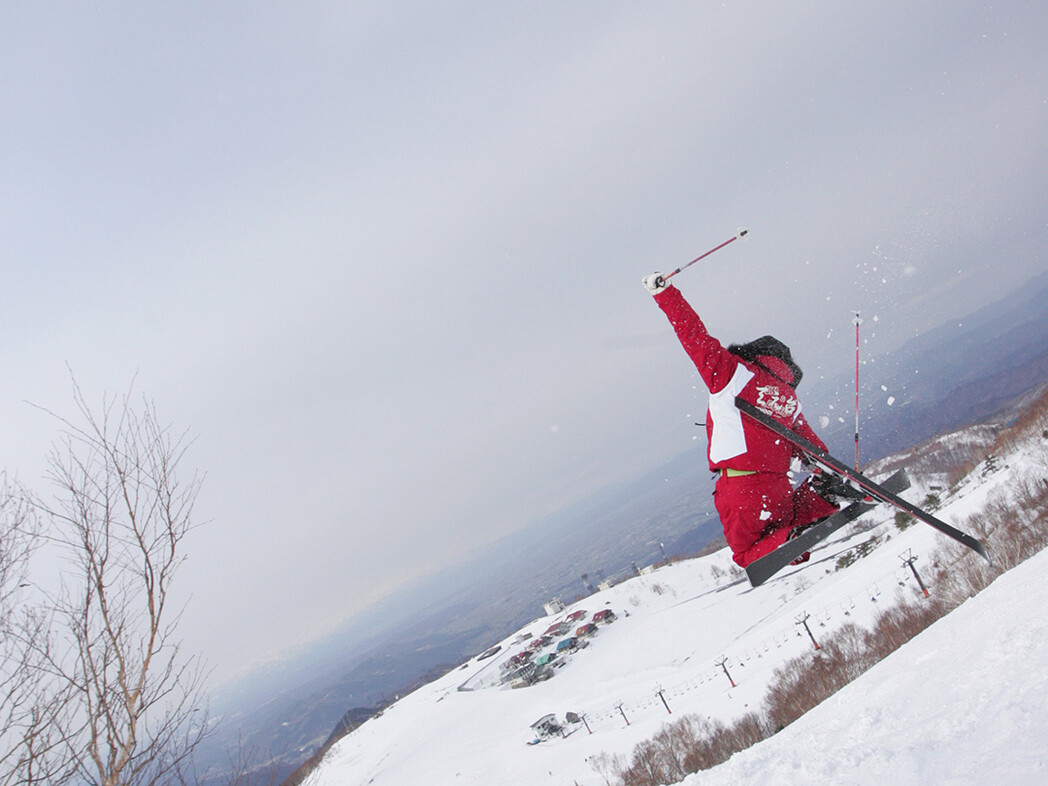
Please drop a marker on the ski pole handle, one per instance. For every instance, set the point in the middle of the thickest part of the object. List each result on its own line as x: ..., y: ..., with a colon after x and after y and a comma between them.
x: 740, y: 234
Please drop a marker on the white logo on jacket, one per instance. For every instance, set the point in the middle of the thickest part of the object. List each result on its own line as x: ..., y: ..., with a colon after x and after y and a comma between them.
x: 773, y: 401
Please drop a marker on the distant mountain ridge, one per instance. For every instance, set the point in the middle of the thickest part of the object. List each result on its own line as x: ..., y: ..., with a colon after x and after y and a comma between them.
x: 959, y: 373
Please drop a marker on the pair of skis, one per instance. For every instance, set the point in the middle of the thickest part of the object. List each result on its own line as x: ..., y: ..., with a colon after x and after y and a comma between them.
x: 764, y: 568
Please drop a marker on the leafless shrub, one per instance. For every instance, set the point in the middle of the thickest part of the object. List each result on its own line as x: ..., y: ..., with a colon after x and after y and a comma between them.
x: 804, y: 682
x: 746, y: 731
x: 1031, y: 422
x: 1014, y: 526
x: 898, y: 624
x: 709, y: 747
x: 645, y: 767
x: 607, y: 766
x: 29, y: 705
x: 674, y: 741
x: 689, y: 745
x: 959, y: 575
x: 133, y: 709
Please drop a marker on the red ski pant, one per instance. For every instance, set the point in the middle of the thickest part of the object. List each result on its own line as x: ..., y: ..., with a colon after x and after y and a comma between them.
x: 758, y: 511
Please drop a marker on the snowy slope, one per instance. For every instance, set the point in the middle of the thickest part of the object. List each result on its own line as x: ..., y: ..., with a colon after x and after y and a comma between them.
x: 676, y: 628
x: 963, y: 702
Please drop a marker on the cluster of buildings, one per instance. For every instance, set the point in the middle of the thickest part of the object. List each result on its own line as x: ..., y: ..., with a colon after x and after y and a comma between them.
x: 546, y: 652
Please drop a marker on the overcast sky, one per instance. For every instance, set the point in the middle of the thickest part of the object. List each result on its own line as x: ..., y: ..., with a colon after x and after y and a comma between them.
x: 383, y: 259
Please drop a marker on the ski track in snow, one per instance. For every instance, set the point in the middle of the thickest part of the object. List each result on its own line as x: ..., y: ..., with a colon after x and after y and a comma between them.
x: 964, y: 702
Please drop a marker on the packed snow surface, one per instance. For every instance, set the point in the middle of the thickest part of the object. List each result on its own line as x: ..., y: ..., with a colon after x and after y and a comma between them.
x: 962, y: 703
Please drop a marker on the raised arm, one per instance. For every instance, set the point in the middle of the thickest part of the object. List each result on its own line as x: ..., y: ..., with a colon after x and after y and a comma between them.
x: 715, y: 364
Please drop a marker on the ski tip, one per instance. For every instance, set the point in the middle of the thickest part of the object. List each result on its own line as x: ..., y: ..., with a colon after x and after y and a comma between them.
x: 985, y: 554
x: 980, y: 548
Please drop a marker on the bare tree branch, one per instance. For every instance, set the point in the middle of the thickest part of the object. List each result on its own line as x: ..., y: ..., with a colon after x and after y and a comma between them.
x: 30, y: 703
x: 135, y: 709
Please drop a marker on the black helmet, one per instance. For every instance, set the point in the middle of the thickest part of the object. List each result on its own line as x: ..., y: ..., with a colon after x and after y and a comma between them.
x: 768, y: 346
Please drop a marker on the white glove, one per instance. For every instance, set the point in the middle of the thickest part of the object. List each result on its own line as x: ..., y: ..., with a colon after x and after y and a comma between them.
x: 654, y: 283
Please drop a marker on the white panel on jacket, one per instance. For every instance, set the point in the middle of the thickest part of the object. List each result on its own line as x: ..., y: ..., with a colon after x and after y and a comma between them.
x: 728, y: 439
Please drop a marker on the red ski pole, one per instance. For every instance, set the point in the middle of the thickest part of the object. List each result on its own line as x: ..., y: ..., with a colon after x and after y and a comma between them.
x: 740, y: 234
x: 857, y: 323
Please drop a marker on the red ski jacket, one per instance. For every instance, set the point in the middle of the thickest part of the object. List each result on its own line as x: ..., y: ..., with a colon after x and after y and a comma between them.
x: 736, y: 442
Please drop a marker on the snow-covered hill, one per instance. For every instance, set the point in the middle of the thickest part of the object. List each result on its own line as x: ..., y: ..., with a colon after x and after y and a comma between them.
x: 694, y: 638
x: 963, y: 702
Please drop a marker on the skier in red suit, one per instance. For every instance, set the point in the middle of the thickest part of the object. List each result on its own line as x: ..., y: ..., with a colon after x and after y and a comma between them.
x: 756, y: 501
